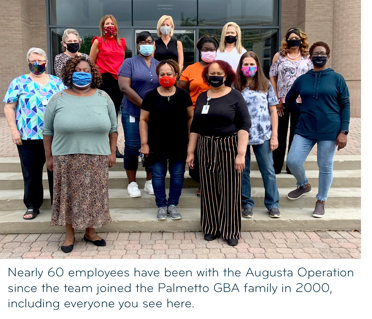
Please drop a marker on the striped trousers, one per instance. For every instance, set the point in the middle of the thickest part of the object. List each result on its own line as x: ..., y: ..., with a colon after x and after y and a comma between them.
x: 220, y: 186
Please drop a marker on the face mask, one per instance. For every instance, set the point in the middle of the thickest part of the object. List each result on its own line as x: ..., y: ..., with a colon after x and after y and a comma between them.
x: 215, y: 80
x: 109, y: 31
x: 167, y: 81
x: 294, y: 43
x: 319, y: 60
x: 73, y: 47
x: 209, y: 56
x: 37, y: 68
x: 81, y: 79
x: 249, y: 71
x: 230, y: 39
x: 146, y: 49
x: 165, y: 29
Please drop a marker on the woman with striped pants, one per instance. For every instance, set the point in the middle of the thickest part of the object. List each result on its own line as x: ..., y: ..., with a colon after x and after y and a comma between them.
x: 220, y: 132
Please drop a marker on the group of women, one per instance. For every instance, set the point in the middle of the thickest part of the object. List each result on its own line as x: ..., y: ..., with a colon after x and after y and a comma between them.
x: 208, y: 116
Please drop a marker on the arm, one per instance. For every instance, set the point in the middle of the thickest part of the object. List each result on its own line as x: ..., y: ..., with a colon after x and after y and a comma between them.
x: 273, y: 81
x: 47, y: 140
x: 292, y: 95
x: 274, y: 126
x: 191, y: 149
x: 344, y: 103
x: 180, y: 54
x: 190, y: 115
x: 94, y: 51
x: 125, y: 85
x: 144, y: 132
x: 243, y: 137
x: 113, y: 138
x: 184, y: 85
x: 9, y: 111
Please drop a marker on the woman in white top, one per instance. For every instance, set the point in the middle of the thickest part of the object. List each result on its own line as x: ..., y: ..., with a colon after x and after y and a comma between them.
x: 231, y: 48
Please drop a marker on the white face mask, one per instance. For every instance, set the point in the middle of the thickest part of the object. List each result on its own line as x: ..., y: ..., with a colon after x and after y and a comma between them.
x: 165, y: 29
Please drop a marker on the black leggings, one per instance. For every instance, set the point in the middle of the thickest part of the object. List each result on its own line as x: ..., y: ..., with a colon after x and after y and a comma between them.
x: 111, y: 86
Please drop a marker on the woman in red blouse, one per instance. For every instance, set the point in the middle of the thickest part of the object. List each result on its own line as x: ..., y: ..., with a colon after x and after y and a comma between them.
x: 108, y: 52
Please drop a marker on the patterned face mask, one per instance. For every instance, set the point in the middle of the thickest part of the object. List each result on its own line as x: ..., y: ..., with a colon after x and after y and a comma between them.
x: 249, y: 71
x: 37, y: 68
x: 109, y: 31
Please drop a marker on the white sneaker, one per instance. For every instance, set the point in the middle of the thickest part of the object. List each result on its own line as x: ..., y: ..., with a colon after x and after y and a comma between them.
x: 133, y: 190
x: 148, y: 187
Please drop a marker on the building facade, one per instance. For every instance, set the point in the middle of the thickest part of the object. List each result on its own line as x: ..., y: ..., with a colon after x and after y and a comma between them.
x: 40, y: 23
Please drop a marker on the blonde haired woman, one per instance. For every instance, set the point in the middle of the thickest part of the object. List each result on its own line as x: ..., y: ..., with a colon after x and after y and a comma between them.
x: 289, y: 63
x: 108, y: 53
x: 166, y: 46
x: 231, y: 48
x: 71, y: 42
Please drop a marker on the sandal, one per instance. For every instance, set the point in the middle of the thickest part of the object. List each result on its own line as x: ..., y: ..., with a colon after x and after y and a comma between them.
x: 32, y: 212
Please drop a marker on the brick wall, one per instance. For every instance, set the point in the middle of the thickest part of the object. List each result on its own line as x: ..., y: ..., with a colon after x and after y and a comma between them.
x: 24, y: 22
x: 289, y: 15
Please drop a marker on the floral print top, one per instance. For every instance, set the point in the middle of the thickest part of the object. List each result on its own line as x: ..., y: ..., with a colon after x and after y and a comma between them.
x: 258, y: 106
x: 287, y: 72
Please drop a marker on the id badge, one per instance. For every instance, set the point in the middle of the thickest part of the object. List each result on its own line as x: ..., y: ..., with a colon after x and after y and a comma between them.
x: 205, y: 109
x: 45, y: 102
x: 132, y: 119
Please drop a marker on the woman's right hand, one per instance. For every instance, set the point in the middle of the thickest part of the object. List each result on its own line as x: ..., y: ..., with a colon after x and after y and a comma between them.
x: 49, y: 163
x: 16, y: 137
x: 145, y: 149
x: 280, y: 108
x: 190, y: 160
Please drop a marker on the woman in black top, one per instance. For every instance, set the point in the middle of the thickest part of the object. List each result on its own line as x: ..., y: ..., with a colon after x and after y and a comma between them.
x: 166, y: 47
x: 166, y: 116
x: 220, y: 132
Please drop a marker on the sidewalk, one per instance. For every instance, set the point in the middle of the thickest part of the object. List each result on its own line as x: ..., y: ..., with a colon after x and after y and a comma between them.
x: 187, y: 245
x: 8, y: 149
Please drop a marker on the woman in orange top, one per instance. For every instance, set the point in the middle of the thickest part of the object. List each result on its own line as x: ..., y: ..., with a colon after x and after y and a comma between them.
x: 108, y: 52
x: 192, y: 80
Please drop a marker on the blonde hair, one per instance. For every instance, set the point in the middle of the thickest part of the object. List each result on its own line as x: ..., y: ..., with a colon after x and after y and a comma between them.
x: 238, y: 42
x: 161, y: 21
x: 65, y: 35
x: 102, y: 23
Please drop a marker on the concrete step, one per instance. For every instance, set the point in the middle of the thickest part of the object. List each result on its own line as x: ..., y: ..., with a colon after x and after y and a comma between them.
x: 342, y: 162
x: 118, y: 179
x: 144, y: 220
x: 337, y: 197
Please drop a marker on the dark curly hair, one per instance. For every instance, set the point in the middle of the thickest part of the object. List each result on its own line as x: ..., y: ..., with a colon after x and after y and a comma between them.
x: 229, y: 72
x: 207, y: 38
x: 70, y: 67
x: 320, y: 44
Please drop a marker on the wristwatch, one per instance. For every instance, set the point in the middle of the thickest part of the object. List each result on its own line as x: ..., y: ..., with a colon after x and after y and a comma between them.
x: 345, y: 132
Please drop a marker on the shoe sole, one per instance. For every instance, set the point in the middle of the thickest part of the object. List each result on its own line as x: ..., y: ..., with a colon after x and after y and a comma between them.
x: 274, y: 216
x: 148, y: 192
x: 318, y: 216
x: 176, y: 218
x: 163, y: 218
x: 135, y: 196
x: 291, y: 198
x: 248, y: 217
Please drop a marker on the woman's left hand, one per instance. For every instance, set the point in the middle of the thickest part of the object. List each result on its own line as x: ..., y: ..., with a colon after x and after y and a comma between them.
x: 341, y: 141
x: 273, y: 143
x: 112, y: 159
x: 240, y: 163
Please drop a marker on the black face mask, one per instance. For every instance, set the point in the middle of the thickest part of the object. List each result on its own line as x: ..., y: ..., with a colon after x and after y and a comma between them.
x: 294, y: 43
x: 230, y: 39
x: 215, y: 80
x: 319, y: 60
x: 73, y: 47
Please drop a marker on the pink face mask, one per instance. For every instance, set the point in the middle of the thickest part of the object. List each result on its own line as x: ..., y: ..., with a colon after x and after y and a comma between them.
x: 249, y: 71
x: 209, y: 56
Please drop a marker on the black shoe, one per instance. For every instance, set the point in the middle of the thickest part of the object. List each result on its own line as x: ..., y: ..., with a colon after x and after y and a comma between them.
x: 248, y: 212
x: 232, y: 242
x: 274, y: 213
x: 101, y: 242
x: 68, y: 249
x: 118, y: 154
x: 32, y: 212
x: 210, y: 237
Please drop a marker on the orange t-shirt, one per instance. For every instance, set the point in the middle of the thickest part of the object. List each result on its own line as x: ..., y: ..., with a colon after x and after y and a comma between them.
x: 193, y: 75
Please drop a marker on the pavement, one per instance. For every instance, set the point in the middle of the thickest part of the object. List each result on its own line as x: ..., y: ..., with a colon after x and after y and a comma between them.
x: 187, y: 245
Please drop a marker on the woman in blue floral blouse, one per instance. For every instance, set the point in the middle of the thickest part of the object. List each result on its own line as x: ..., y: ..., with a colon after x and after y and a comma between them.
x: 263, y: 134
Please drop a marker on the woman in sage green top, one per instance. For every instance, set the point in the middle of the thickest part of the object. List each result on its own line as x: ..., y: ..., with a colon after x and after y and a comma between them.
x: 80, y: 135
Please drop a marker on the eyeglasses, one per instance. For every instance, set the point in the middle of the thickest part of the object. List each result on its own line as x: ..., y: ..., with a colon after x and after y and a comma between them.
x: 146, y: 42
x: 38, y: 61
x: 320, y: 54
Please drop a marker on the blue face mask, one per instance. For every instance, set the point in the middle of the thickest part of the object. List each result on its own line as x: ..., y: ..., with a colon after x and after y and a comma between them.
x: 81, y: 79
x: 146, y: 49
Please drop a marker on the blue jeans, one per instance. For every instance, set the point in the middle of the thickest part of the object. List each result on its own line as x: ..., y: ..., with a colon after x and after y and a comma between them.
x: 265, y: 163
x: 297, y: 155
x: 132, y: 142
x: 177, y: 175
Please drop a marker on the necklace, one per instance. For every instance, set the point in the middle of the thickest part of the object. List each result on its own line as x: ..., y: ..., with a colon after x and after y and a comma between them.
x: 171, y: 93
x: 294, y: 57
